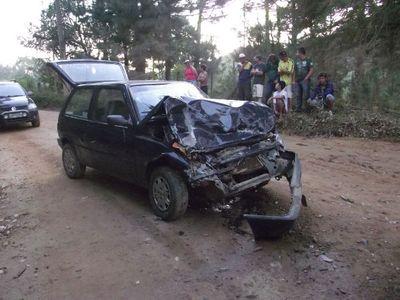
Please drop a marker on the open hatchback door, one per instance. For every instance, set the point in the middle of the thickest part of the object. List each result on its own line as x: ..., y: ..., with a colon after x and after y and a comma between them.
x: 81, y: 71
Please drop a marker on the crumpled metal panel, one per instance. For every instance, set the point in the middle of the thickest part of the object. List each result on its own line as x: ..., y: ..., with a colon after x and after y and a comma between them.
x: 207, y: 123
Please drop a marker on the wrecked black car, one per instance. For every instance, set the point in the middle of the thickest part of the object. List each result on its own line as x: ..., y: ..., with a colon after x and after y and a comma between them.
x: 171, y: 139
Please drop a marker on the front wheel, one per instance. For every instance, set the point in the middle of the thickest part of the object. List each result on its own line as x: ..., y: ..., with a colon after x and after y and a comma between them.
x: 36, y: 123
x: 168, y: 193
x: 73, y: 168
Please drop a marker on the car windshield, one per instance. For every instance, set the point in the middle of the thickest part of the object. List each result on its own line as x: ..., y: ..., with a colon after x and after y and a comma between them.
x: 80, y: 72
x: 11, y: 90
x: 148, y: 96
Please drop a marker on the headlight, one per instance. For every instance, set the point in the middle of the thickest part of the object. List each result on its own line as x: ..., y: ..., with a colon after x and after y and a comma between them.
x: 32, y: 106
x: 278, y: 138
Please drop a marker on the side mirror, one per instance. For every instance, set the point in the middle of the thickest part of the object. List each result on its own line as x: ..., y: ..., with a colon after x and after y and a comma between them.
x: 117, y: 120
x: 30, y: 93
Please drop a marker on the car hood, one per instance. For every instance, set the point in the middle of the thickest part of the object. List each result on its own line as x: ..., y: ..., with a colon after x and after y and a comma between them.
x: 13, y: 101
x: 208, y: 124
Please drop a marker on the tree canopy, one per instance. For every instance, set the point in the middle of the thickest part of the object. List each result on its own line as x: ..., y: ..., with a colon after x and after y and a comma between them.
x: 356, y: 42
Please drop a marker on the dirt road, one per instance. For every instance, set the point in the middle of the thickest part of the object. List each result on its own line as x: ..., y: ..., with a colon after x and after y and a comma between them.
x: 96, y: 238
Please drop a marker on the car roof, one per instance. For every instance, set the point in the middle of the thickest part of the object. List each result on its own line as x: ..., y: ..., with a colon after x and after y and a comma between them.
x: 82, y: 60
x: 8, y: 82
x: 149, y: 82
x: 130, y: 83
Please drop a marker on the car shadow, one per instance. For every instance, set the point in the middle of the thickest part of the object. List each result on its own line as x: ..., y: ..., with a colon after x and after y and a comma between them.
x: 137, y: 194
x: 271, y: 199
x: 15, y: 127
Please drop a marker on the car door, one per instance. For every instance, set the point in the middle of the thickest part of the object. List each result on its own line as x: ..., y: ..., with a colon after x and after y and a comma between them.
x: 111, y: 145
x: 74, y: 123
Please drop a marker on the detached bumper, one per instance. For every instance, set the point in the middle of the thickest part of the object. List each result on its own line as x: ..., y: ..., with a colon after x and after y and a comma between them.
x: 264, y: 226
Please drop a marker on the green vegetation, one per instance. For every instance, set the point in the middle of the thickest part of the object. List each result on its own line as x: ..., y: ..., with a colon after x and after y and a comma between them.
x: 345, y: 122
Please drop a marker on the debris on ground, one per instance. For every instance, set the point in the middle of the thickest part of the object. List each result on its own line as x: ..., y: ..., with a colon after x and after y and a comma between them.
x: 220, y: 270
x: 363, y: 241
x: 347, y: 199
x: 326, y: 258
x: 20, y: 272
x: 260, y: 202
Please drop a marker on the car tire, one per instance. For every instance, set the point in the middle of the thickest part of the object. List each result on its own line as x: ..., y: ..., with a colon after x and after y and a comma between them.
x: 72, y: 166
x: 168, y: 194
x: 36, y: 123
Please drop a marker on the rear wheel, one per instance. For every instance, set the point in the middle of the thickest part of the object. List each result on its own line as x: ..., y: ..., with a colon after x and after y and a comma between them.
x: 73, y: 168
x: 168, y: 193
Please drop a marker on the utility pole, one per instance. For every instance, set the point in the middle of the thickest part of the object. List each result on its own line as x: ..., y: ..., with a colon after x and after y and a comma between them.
x: 60, y: 29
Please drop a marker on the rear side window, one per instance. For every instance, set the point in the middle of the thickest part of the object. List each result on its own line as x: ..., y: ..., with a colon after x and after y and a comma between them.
x: 110, y: 102
x: 79, y: 104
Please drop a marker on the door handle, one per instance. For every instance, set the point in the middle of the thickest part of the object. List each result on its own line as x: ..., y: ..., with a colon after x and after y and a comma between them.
x: 92, y: 141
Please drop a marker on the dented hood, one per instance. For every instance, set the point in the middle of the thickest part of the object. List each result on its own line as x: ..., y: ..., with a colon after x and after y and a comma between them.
x: 207, y: 124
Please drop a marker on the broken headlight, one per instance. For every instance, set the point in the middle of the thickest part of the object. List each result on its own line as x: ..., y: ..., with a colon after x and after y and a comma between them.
x: 279, y: 140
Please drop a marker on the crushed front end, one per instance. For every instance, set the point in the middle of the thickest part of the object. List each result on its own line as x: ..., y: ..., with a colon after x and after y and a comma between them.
x: 235, y: 170
x: 233, y: 147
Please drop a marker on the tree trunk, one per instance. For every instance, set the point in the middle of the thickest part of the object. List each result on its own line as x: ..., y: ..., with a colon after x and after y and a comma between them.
x: 126, y: 56
x: 140, y: 64
x: 201, y: 6
x: 168, y: 67
x: 294, y: 29
x: 267, y: 28
x: 60, y: 29
x: 278, y: 25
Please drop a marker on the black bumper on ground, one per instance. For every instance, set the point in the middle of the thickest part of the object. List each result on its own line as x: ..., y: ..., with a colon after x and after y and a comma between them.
x: 274, y: 226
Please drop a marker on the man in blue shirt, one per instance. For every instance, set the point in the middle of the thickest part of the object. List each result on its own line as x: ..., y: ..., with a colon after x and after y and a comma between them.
x: 304, y: 68
x: 244, y: 81
x: 323, y: 94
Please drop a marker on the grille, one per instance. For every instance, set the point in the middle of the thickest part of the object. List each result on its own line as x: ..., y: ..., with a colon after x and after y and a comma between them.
x: 8, y: 108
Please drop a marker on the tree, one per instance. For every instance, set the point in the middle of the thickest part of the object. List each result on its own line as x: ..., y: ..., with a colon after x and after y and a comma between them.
x: 64, y: 30
x: 60, y: 29
x: 211, y: 10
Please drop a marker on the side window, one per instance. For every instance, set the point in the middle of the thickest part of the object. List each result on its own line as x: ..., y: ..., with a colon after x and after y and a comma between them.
x: 110, y: 102
x: 79, y: 104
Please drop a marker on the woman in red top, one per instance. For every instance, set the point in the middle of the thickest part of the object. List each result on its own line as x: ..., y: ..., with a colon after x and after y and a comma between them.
x: 190, y: 73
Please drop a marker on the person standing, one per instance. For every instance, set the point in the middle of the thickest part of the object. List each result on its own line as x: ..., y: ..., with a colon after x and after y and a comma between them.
x: 286, y: 73
x: 244, y: 81
x: 272, y: 75
x: 203, y: 78
x: 190, y: 73
x: 304, y: 68
x: 258, y: 73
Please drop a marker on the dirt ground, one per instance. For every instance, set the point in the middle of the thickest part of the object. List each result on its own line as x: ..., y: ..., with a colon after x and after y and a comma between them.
x: 96, y: 238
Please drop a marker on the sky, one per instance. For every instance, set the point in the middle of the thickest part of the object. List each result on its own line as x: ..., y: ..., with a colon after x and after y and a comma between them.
x: 16, y: 15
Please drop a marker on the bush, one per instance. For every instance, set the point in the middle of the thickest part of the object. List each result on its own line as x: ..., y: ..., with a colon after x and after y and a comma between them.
x: 345, y: 122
